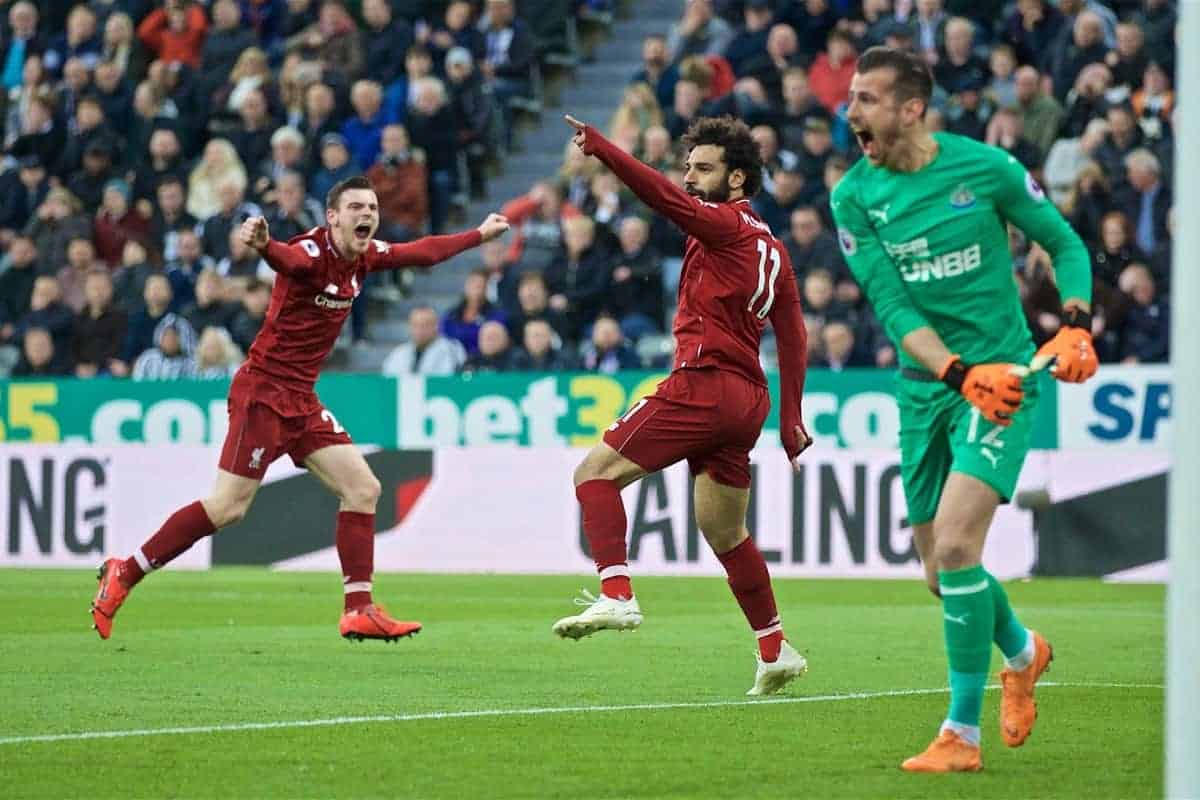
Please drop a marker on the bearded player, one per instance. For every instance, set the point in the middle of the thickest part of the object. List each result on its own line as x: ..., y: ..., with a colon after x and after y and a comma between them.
x: 922, y: 220
x: 710, y: 410
x: 273, y: 409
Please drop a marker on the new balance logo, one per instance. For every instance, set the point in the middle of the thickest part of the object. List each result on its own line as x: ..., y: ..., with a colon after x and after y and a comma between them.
x: 256, y: 457
x: 956, y: 620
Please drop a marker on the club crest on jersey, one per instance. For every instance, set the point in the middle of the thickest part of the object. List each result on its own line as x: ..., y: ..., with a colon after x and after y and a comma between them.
x: 962, y: 198
x: 1034, y: 188
x: 847, y: 241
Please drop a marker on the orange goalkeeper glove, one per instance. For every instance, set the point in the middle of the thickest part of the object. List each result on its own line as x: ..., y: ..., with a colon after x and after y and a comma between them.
x: 1071, y: 348
x: 995, y: 389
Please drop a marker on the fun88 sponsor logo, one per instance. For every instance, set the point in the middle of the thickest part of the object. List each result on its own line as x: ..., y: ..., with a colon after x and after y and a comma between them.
x: 918, y: 265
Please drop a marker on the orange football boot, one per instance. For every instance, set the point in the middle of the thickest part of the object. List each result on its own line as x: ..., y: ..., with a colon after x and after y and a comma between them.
x: 372, y: 622
x: 948, y: 753
x: 109, y: 596
x: 1018, y: 709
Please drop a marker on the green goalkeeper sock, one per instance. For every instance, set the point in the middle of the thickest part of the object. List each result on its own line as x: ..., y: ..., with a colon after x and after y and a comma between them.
x: 968, y: 620
x: 1010, y: 635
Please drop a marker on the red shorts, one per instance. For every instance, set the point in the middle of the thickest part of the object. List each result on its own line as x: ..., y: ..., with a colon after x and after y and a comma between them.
x: 710, y: 417
x: 259, y: 434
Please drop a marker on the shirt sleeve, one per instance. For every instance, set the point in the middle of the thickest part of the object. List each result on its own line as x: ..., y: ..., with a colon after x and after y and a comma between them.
x: 791, y: 337
x: 422, y: 253
x: 711, y: 223
x: 1023, y: 202
x: 290, y: 259
x: 873, y: 268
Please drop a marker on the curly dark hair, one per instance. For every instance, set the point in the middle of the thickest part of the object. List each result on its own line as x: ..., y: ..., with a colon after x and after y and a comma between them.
x: 741, y: 151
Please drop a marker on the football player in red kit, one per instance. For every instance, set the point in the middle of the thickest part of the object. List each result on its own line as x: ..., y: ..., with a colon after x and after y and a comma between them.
x: 710, y: 410
x: 274, y: 411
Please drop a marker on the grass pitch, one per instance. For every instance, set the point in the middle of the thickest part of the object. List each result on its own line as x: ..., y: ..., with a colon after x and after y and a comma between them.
x: 247, y: 656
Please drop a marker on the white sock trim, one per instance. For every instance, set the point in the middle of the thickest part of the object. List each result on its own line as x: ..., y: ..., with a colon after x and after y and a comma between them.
x: 956, y: 590
x: 767, y: 631
x: 968, y: 733
x: 1023, y: 659
x: 614, y: 571
x: 142, y: 561
x: 357, y: 586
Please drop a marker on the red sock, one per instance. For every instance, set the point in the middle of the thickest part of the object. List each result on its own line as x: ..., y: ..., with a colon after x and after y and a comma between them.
x: 751, y: 585
x: 182, y: 529
x: 356, y: 551
x: 604, y: 526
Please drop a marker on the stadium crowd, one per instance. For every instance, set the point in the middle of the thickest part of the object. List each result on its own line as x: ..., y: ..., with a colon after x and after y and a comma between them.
x: 136, y: 137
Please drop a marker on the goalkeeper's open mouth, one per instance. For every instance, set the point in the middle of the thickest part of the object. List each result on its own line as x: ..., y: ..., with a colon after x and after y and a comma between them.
x: 867, y: 143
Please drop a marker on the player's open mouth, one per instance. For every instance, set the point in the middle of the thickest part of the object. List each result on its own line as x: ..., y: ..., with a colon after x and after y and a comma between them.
x: 362, y: 231
x: 867, y: 142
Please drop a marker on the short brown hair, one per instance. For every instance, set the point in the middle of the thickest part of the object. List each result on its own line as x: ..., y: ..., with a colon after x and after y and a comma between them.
x: 913, y: 78
x: 335, y: 194
x: 741, y: 151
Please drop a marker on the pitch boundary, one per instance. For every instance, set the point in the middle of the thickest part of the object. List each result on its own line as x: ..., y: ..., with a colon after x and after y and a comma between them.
x: 522, y: 712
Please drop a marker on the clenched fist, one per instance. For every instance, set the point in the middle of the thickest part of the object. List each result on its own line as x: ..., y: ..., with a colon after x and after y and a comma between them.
x: 494, y: 226
x: 254, y: 233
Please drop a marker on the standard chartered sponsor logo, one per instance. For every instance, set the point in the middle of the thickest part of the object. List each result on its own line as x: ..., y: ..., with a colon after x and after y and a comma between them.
x: 919, y: 265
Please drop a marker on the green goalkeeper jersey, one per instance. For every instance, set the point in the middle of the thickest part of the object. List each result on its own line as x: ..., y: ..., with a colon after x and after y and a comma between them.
x: 930, y: 248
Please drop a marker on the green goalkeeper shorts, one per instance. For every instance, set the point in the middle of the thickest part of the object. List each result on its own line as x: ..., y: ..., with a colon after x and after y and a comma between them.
x: 940, y: 433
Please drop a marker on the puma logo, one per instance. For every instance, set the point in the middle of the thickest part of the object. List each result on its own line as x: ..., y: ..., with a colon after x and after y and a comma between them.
x: 956, y: 620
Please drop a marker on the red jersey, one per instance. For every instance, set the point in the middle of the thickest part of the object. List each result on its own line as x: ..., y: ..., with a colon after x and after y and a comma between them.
x: 310, y: 301
x: 736, y: 275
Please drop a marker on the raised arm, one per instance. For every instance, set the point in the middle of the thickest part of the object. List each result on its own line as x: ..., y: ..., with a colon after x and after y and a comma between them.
x: 711, y: 223
x: 791, y: 337
x: 284, y: 258
x: 434, y: 249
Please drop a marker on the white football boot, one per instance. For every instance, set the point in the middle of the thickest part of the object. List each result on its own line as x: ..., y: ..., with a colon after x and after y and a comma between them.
x: 602, y: 613
x: 773, y: 676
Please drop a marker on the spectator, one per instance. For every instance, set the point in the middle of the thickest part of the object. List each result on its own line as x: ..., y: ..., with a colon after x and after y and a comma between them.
x: 251, y: 73
x: 175, y: 32
x: 140, y: 337
x: 336, y: 165
x: 74, y: 86
x: 637, y: 281
x: 838, y: 347
x: 119, y: 47
x: 426, y: 352
x: 47, y: 310
x: 217, y: 357
x: 1148, y: 323
x: 242, y: 262
x: 431, y: 126
x: 818, y: 297
x: 1146, y: 199
x: 1005, y: 131
x: 607, y: 352
x: 502, y: 278
x: 21, y: 43
x: 959, y: 64
x: 114, y: 93
x: 1123, y: 137
x: 579, y: 279
x: 685, y: 108
x: 40, y: 358
x: 799, y: 106
x: 816, y: 145
x: 1041, y: 114
x: 333, y: 40
x: 494, y: 354
x: 750, y: 41
x: 474, y: 110
x: 1128, y: 61
x: 152, y: 109
x: 209, y: 308
x: 221, y: 50
x: 402, y: 92
x: 1086, y: 46
x: 1109, y: 260
x: 171, y: 356
x: 363, y: 130
x: 835, y: 168
x: 1069, y: 157
x: 967, y: 113
x: 383, y: 37
x: 88, y: 182
x: 774, y: 158
x: 79, y: 41
x: 170, y: 217
x: 533, y: 303
x: 249, y: 319
x: 233, y: 211
x: 1002, y: 82
x: 832, y: 70
x: 1154, y: 99
x: 16, y: 285
x: 786, y: 194
x: 219, y: 166
x: 40, y: 133
x: 539, y: 352
x: 185, y: 268
x: 1032, y: 28
x: 537, y: 219
x: 463, y: 322
x: 23, y: 190
x: 811, y: 246
x: 456, y: 30
x: 117, y: 223
x: 782, y: 53
x: 87, y: 127
x: 57, y: 222
x: 293, y: 212
x: 1157, y: 21
x: 81, y: 259
x: 129, y: 281
x: 251, y: 138
x: 319, y: 121
x: 700, y: 32
x: 400, y: 181
x: 657, y: 69
x: 638, y: 111
x: 100, y: 328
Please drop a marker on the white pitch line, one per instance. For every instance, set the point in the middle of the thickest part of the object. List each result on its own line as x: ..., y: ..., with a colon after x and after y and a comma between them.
x: 519, y: 712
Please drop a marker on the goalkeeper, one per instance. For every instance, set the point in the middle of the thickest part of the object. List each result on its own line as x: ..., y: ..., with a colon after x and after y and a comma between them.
x: 922, y: 222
